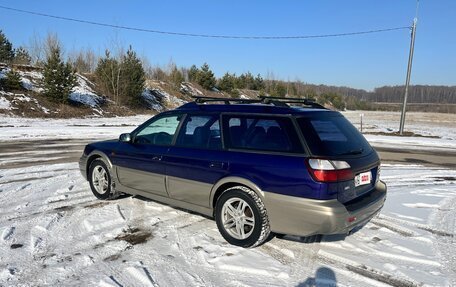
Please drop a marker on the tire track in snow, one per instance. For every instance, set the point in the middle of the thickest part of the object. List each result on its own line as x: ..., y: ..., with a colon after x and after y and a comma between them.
x: 447, y: 216
x: 417, y: 225
x: 142, y: 275
x: 368, y: 272
x: 394, y: 227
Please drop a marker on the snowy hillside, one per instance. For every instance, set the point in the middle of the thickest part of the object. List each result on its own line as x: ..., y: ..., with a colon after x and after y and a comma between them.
x: 157, y: 96
x: 84, y: 94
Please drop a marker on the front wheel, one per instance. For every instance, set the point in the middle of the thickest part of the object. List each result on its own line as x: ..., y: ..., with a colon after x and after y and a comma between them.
x: 241, y: 217
x: 100, y: 180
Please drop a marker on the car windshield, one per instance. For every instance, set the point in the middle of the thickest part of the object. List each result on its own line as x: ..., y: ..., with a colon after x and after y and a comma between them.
x: 332, y: 135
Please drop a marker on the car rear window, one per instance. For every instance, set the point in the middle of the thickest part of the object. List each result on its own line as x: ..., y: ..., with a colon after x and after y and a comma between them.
x: 332, y: 135
x: 276, y: 134
x: 200, y: 131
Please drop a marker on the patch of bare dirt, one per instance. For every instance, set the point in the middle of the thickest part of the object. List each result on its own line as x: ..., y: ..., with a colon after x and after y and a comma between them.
x: 135, y: 236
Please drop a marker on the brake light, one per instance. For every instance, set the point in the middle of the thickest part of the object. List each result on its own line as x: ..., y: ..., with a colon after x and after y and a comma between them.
x: 324, y: 170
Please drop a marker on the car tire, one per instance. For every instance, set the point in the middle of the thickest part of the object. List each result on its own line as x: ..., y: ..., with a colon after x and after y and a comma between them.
x: 241, y: 217
x: 100, y: 180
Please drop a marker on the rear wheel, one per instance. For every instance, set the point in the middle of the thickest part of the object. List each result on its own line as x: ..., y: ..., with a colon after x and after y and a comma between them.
x: 100, y: 180
x: 241, y: 217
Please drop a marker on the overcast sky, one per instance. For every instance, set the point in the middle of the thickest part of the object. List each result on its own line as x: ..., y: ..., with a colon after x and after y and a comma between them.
x: 361, y: 61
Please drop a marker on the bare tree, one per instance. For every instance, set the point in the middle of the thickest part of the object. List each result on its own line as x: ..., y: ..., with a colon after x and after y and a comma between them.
x: 36, y: 49
x: 51, y: 43
x: 84, y: 60
x: 148, y: 69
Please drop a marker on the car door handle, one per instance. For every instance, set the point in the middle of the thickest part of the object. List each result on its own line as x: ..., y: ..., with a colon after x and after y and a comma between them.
x: 216, y: 165
x: 157, y: 157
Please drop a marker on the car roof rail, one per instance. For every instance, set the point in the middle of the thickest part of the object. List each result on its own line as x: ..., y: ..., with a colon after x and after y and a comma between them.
x: 227, y: 101
x: 269, y: 100
x: 284, y: 101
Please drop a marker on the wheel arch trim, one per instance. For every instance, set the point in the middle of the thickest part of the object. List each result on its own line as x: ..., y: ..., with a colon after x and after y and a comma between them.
x: 98, y: 154
x: 233, y: 180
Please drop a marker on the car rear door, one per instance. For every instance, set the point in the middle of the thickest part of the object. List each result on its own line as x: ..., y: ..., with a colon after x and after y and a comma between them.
x: 196, y: 162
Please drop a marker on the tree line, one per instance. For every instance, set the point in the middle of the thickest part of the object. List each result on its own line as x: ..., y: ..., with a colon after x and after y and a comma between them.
x: 121, y: 75
x: 417, y: 94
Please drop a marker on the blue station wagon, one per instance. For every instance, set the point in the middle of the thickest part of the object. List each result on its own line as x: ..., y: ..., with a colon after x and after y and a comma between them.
x: 256, y: 166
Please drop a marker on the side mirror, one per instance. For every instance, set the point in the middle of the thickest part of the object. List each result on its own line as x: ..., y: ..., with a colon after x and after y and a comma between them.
x: 125, y: 138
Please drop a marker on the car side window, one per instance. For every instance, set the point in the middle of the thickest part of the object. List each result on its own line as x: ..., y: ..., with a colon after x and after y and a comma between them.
x: 159, y: 132
x: 200, y: 131
x: 276, y: 134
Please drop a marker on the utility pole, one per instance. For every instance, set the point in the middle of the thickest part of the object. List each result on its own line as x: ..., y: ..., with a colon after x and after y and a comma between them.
x: 407, y: 81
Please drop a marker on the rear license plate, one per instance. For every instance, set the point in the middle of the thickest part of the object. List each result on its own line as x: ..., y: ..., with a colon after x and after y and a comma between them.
x: 363, y: 178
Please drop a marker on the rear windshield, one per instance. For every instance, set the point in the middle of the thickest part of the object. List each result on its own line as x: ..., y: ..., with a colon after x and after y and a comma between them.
x: 332, y: 135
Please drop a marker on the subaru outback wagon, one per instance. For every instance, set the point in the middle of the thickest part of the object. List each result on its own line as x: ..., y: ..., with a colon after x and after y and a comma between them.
x: 256, y: 166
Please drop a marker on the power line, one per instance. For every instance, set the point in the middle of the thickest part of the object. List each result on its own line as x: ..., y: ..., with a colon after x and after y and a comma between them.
x: 204, y: 35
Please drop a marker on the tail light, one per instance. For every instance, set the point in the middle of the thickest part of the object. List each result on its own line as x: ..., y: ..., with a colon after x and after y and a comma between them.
x: 324, y: 170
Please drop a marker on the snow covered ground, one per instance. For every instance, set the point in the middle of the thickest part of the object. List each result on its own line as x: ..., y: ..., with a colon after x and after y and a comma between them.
x: 16, y: 128
x: 53, y: 232
x: 439, y: 129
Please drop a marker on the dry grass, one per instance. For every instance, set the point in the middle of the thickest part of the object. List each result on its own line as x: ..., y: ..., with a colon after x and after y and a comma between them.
x: 405, y: 134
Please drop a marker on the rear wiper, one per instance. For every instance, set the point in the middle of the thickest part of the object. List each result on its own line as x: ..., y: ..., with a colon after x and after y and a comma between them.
x: 352, y: 152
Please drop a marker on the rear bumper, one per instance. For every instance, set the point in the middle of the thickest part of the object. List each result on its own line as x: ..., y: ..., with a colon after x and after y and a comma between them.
x: 303, y: 217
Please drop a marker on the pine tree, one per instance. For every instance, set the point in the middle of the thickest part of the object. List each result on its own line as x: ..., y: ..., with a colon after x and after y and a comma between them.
x: 22, y: 57
x: 11, y: 81
x: 249, y: 81
x: 58, y: 77
x: 6, y: 49
x: 206, y: 77
x: 259, y: 83
x: 193, y: 74
x: 241, y: 82
x: 279, y: 90
x: 227, y: 82
x: 132, y: 78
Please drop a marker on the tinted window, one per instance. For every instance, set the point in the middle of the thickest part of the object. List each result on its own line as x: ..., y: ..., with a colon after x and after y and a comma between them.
x: 262, y: 133
x: 200, y: 132
x: 332, y: 135
x: 160, y: 131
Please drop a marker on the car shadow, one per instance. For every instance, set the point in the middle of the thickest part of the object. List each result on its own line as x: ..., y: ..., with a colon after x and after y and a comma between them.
x: 324, y: 277
x: 317, y: 238
x: 313, y: 238
x: 301, y: 239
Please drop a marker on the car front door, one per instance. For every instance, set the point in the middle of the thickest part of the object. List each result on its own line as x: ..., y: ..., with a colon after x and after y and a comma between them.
x: 139, y: 163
